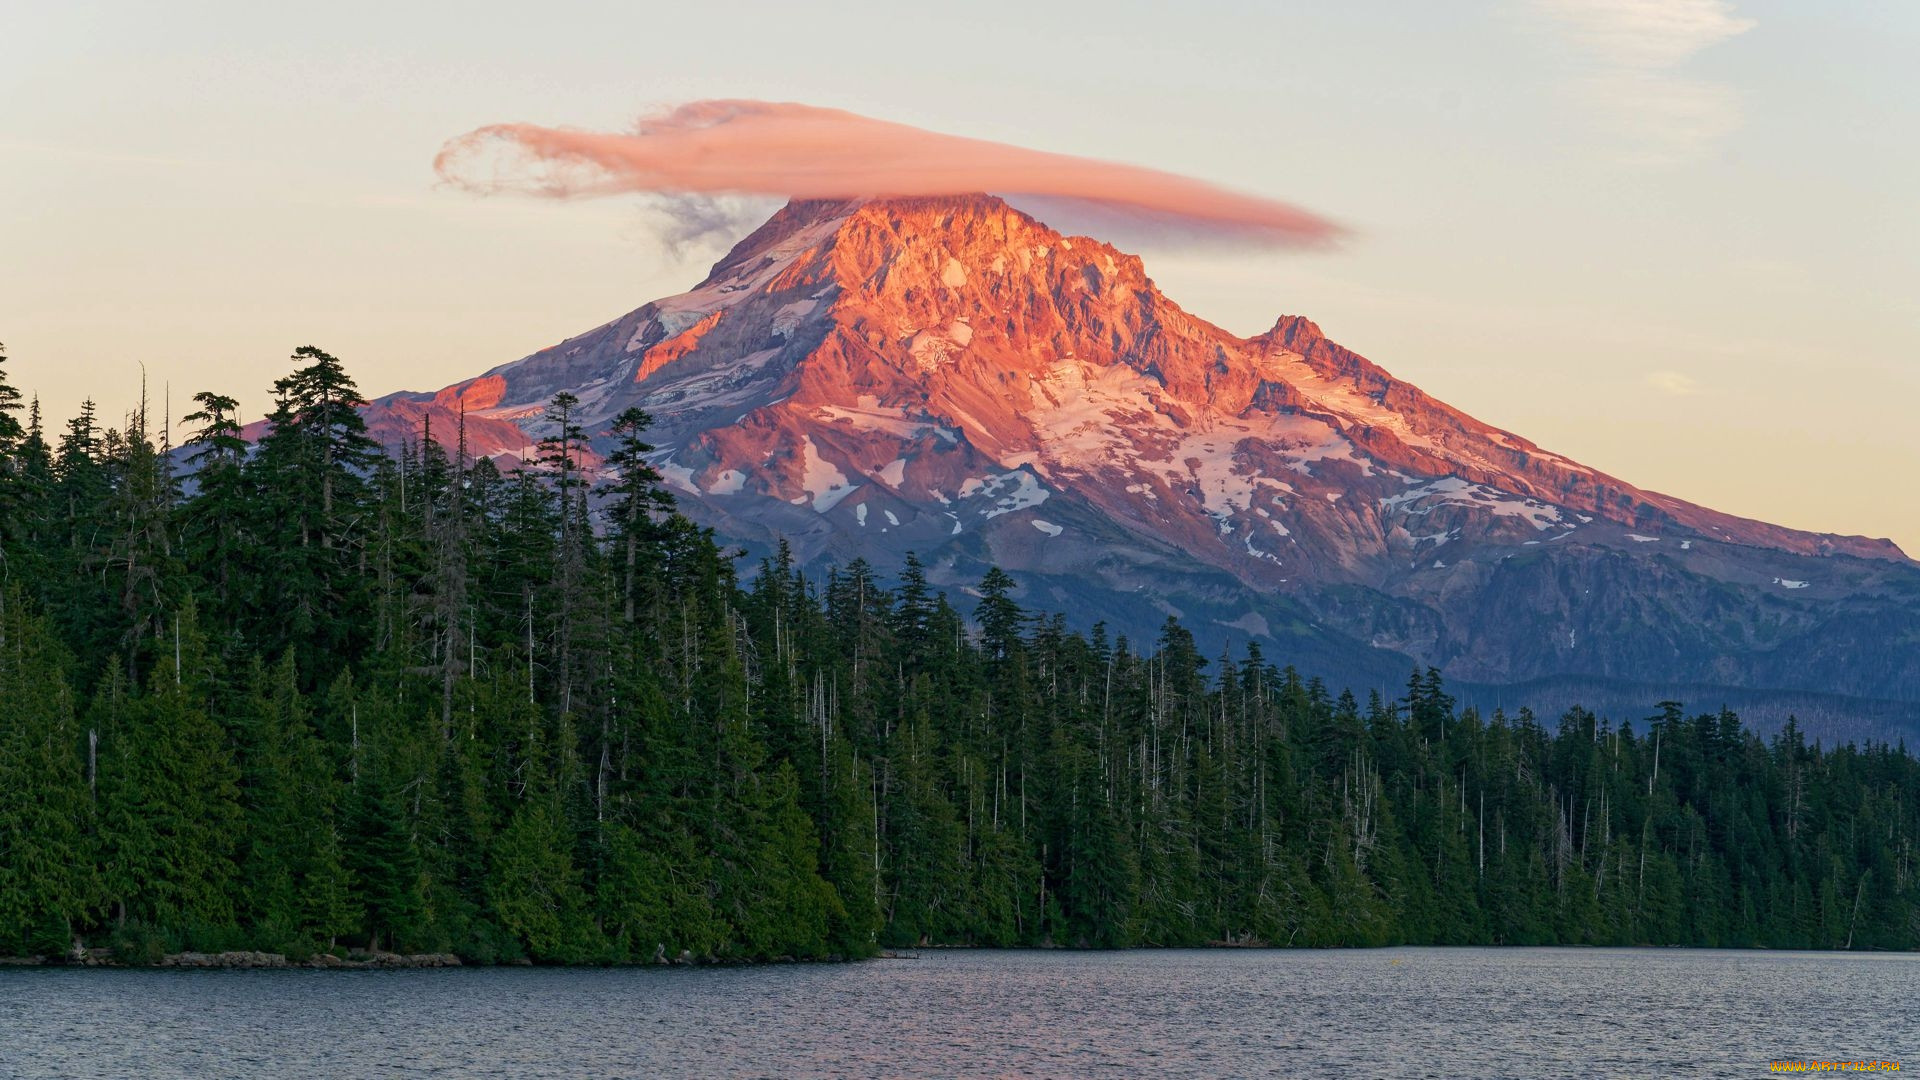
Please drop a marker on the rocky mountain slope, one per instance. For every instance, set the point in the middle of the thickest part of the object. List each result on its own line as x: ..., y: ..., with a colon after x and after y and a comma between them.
x: 953, y: 378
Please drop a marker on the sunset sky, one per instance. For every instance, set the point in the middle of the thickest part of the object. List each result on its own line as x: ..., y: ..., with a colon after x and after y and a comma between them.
x: 1675, y: 241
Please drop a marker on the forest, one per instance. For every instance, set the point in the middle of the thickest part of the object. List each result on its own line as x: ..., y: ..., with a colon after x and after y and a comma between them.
x: 287, y: 691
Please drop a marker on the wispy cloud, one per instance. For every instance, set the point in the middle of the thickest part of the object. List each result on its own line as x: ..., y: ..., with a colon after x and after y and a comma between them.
x: 1673, y: 383
x: 1648, y: 33
x: 698, y: 155
x: 1633, y: 50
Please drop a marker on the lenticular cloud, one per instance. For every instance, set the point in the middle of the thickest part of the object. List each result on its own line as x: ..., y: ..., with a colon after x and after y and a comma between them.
x: 801, y: 151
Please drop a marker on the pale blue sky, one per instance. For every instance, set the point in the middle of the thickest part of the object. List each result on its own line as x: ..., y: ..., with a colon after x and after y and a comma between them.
x: 1674, y: 240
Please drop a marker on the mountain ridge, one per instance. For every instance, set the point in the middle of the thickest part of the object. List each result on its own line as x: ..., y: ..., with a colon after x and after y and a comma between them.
x: 948, y: 375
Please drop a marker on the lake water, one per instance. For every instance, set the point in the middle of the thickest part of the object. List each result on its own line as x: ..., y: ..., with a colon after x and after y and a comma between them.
x: 1389, y: 1012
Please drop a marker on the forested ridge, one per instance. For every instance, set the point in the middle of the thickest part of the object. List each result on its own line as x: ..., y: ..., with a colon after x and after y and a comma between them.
x: 300, y: 695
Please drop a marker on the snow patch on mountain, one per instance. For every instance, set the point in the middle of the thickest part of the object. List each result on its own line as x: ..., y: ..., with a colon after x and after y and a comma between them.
x: 1251, y: 623
x: 1344, y: 399
x: 1455, y: 491
x: 821, y: 480
x: 1011, y: 491
x: 674, y: 473
x: 867, y: 414
x: 905, y: 346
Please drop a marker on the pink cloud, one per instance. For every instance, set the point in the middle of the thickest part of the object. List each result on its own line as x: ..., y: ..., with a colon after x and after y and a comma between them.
x: 801, y: 151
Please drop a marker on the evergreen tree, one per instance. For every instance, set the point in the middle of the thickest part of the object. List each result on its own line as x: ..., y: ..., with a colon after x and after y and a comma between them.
x: 298, y: 890
x: 170, y: 807
x: 313, y: 514
x: 210, y: 523
x: 636, y: 495
x: 348, y: 700
x: 45, y: 886
x: 10, y: 430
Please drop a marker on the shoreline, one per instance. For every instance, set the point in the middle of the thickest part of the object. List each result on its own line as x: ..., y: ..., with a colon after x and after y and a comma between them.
x: 360, y: 960
x: 356, y: 960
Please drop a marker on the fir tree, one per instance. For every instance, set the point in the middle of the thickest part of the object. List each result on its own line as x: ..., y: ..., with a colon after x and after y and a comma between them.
x: 170, y: 807
x: 45, y: 884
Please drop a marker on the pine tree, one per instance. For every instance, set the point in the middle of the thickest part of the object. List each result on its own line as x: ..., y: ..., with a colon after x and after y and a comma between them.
x: 11, y: 433
x: 637, y: 495
x: 135, y: 556
x: 28, y: 543
x: 297, y: 885
x: 312, y: 515
x: 410, y: 703
x: 382, y: 858
x: 210, y: 523
x: 170, y: 805
x: 536, y: 889
x: 45, y: 887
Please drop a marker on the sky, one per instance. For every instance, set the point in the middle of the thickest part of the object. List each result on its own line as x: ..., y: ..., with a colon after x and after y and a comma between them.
x: 1675, y: 240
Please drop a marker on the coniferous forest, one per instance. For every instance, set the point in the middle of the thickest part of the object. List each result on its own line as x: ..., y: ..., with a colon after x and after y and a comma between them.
x: 298, y: 694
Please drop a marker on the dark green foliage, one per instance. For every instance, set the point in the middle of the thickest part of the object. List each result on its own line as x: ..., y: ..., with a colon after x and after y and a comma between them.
x: 45, y: 878
x: 535, y: 889
x: 294, y: 876
x: 324, y: 697
x: 10, y: 429
x: 212, y: 524
x: 309, y: 517
x: 170, y: 809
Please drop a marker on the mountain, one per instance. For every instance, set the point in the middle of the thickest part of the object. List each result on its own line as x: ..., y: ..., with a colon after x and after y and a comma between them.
x: 950, y: 377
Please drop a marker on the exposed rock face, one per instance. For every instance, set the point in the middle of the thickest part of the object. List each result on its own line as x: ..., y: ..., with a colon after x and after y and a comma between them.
x: 951, y: 377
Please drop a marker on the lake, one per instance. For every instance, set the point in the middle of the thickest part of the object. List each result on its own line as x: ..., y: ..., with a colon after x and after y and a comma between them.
x: 1176, y: 1013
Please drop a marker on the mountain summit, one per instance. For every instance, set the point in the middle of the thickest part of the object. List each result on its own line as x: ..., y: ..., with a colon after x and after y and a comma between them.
x: 950, y: 377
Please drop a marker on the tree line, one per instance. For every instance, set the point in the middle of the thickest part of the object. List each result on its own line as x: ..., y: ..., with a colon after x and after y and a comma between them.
x: 300, y: 694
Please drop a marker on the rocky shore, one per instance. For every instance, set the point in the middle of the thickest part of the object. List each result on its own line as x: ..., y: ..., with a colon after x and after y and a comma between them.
x: 356, y: 959
x: 361, y: 959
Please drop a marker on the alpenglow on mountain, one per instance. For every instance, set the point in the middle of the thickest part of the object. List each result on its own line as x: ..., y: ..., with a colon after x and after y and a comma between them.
x: 950, y: 377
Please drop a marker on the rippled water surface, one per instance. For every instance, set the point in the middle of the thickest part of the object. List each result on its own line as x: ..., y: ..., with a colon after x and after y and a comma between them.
x: 1393, y: 1012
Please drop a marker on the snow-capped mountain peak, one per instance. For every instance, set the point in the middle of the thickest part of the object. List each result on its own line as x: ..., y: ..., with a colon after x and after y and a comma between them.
x: 950, y: 376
